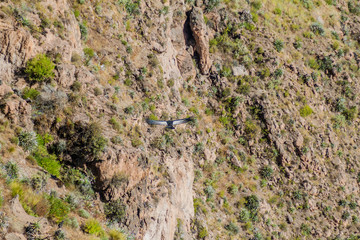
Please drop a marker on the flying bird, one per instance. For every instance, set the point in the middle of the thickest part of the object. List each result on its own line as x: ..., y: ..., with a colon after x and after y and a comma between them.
x: 169, y: 124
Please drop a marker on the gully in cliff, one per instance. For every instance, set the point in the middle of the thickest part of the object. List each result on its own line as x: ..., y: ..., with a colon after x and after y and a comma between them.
x: 170, y: 124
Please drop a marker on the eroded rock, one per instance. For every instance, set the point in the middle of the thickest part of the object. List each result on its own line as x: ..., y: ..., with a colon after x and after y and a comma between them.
x: 18, y: 111
x: 198, y: 28
x: 66, y: 74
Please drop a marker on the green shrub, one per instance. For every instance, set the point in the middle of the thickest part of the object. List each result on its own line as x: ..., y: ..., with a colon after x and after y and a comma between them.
x: 12, y: 170
x: 266, y: 172
x: 40, y: 68
x: 115, y: 124
x: 47, y: 161
x: 58, y: 209
x: 76, y: 13
x: 244, y: 88
x: 305, y: 229
x: 354, y: 7
x: 308, y: 35
x: 225, y: 93
x: 1, y: 202
x: 244, y: 216
x: 331, y: 2
x: 136, y: 142
x: 278, y: 73
x: 30, y: 93
x: 202, y: 232
x: 28, y: 141
x: 226, y: 72
x: 92, y: 226
x: 170, y: 83
x: 85, y: 142
x: 233, y: 189
x: 83, y: 213
x: 308, y: 4
x: 209, y: 191
x: 264, y: 73
x: 279, y: 45
x: 335, y: 45
x: 236, y: 47
x: 75, y: 58
x: 131, y: 6
x: 211, y: 4
x: 97, y: 91
x: 115, y: 211
x: 72, y: 222
x: 98, y: 9
x: 317, y: 29
x: 250, y: 129
x: 199, y: 147
x: 153, y: 117
x: 312, y: 63
x: 350, y: 113
x: 338, y: 121
x: 345, y: 215
x: 257, y: 4
x: 89, y: 54
x: 306, y: 111
x: 249, y: 26
x: 74, y: 178
x: 38, y: 181
x: 76, y: 86
x: 297, y: 195
x: 59, y: 235
x: 231, y: 227
x: 128, y: 82
x: 83, y: 31
x: 326, y: 64
x: 297, y: 44
x: 277, y: 11
x: 117, y: 235
x: 252, y: 203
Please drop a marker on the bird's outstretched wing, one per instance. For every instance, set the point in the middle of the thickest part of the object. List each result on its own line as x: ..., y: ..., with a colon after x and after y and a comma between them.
x: 180, y: 121
x: 156, y: 122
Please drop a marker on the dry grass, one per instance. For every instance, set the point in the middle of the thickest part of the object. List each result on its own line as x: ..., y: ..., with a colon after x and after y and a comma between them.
x: 33, y: 204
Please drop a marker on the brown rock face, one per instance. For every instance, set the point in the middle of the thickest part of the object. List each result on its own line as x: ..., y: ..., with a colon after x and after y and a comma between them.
x: 66, y: 74
x: 186, y: 65
x: 17, y: 110
x: 16, y: 46
x: 198, y: 29
x: 14, y: 236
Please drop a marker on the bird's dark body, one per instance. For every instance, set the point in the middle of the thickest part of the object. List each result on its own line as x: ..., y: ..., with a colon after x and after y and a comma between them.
x: 169, y: 124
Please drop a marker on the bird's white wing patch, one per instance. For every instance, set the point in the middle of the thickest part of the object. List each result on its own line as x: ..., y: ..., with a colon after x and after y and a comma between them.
x: 180, y: 121
x: 156, y: 122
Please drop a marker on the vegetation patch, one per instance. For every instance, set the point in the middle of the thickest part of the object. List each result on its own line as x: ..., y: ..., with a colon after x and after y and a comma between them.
x: 40, y: 68
x: 92, y: 226
x: 58, y: 209
x: 306, y: 111
x: 115, y: 211
x: 85, y: 142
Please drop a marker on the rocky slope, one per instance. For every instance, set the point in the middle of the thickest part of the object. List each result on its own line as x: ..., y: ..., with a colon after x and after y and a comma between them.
x: 272, y: 153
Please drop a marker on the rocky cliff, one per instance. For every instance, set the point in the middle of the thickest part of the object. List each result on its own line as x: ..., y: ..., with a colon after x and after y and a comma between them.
x: 272, y: 153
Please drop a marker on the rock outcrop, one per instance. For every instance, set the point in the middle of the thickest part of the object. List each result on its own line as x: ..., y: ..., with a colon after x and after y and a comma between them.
x: 198, y: 28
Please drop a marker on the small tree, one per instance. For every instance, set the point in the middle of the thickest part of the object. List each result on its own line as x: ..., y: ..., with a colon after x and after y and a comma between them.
x: 40, y: 68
